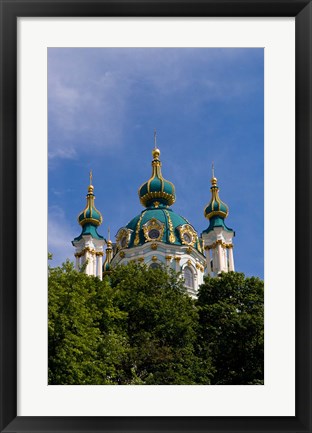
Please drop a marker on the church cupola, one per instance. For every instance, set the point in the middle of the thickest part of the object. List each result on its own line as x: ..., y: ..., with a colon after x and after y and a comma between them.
x: 109, y: 255
x: 216, y: 207
x: 217, y: 237
x: 89, y: 244
x: 157, y: 191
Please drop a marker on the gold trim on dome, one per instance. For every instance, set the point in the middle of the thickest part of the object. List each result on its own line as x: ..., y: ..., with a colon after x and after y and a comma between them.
x: 137, y: 229
x: 150, y: 225
x: 90, y: 206
x: 156, y: 172
x: 157, y: 194
x: 123, y: 233
x: 188, y: 230
x: 172, y: 237
x: 215, y: 198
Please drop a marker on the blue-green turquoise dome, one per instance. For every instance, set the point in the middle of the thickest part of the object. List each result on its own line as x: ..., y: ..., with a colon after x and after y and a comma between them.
x: 216, y: 207
x: 216, y: 210
x: 90, y: 218
x: 157, y: 190
x: 171, y: 228
x: 90, y: 214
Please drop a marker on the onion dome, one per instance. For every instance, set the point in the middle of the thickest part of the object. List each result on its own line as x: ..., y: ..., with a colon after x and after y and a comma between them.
x: 157, y: 190
x: 216, y: 211
x: 216, y: 207
x: 90, y: 214
x: 90, y: 218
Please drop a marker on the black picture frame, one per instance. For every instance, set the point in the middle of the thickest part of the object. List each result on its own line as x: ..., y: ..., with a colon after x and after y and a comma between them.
x: 10, y: 11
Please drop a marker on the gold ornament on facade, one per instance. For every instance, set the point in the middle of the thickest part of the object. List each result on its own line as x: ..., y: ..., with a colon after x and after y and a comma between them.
x: 155, y: 226
x: 122, y: 254
x: 154, y: 246
x: 141, y: 259
x: 168, y: 257
x: 123, y: 238
x: 189, y: 250
x: 187, y: 234
x: 154, y: 258
x: 177, y: 259
x: 189, y: 262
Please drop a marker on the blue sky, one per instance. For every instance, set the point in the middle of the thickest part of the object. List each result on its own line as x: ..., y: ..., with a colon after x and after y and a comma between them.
x: 206, y: 105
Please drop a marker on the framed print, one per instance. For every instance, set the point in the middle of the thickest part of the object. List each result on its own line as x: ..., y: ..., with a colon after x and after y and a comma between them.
x: 49, y: 47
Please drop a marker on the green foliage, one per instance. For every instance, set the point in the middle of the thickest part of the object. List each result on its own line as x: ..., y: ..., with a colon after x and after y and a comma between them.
x: 83, y: 325
x: 140, y: 327
x: 161, y: 326
x: 231, y: 327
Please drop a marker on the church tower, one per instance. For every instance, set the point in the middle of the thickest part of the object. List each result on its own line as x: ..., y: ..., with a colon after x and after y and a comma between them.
x: 217, y: 237
x: 160, y: 237
x: 89, y: 244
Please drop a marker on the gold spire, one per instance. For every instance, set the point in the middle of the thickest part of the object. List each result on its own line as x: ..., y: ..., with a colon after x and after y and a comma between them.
x: 91, y: 187
x: 155, y: 151
x: 213, y: 179
x: 109, y: 242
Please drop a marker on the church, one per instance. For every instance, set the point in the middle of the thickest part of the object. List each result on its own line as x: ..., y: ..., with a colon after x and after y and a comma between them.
x: 158, y: 236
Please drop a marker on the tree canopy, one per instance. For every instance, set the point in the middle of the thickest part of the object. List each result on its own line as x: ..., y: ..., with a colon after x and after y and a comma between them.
x: 139, y: 326
x: 231, y: 327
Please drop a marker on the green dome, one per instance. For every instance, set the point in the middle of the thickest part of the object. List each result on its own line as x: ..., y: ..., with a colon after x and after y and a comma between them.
x: 157, y: 190
x: 216, y: 207
x: 90, y: 218
x: 159, y: 224
x: 90, y: 215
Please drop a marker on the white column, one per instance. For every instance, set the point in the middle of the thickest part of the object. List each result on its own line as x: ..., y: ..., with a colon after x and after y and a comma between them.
x: 225, y: 260
x: 220, y: 267
x: 208, y: 259
x: 99, y: 266
x: 93, y: 258
x: 231, y: 259
x: 177, y: 264
x: 77, y: 263
x: 89, y: 264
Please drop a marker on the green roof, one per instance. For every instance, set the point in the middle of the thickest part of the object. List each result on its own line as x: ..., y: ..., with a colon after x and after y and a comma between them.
x: 88, y: 229
x: 164, y: 215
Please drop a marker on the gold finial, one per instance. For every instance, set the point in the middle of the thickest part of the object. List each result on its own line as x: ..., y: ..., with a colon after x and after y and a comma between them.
x: 156, y: 151
x: 108, y: 242
x: 91, y: 188
x: 213, y: 179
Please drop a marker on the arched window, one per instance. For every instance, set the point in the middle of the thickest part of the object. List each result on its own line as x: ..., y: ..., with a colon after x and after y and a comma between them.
x: 188, y: 277
x: 155, y: 265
